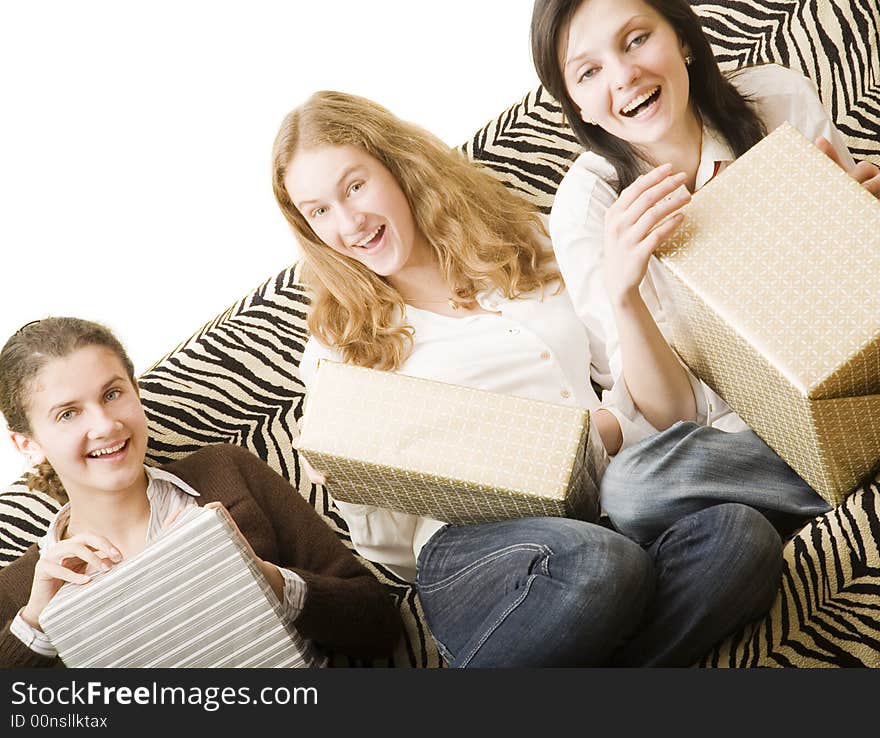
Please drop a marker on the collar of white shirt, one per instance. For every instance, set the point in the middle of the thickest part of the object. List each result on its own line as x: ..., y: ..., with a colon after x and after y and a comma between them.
x: 715, y: 149
x: 154, y: 476
x: 490, y: 299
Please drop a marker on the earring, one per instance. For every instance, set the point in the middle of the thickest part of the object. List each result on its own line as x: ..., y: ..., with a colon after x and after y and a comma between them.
x: 688, y: 60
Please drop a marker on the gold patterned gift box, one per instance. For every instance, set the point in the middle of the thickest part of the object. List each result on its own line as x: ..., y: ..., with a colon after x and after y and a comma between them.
x: 451, y: 453
x: 193, y: 598
x: 776, y: 305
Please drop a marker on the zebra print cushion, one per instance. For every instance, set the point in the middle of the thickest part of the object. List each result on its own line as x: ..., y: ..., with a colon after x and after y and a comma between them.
x: 24, y: 517
x: 236, y: 380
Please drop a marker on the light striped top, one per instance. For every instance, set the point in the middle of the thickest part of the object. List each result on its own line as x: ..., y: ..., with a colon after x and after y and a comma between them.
x: 167, y: 494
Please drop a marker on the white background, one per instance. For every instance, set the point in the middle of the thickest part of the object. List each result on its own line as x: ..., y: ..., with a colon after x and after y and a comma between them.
x: 135, y: 140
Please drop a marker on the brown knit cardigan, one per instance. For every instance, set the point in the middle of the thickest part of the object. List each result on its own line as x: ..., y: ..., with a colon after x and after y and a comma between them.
x: 346, y: 609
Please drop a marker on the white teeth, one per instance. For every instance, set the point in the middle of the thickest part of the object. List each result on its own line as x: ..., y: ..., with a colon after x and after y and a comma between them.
x: 105, y: 451
x: 638, y: 101
x: 369, y: 237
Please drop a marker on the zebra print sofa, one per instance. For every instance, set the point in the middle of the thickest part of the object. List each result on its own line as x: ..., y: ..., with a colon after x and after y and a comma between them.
x: 236, y: 380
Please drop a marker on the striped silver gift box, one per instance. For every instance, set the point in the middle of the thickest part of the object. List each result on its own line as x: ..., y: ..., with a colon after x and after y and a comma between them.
x: 193, y: 598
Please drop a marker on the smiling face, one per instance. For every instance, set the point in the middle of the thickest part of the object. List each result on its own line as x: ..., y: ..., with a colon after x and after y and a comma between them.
x: 355, y: 206
x: 624, y: 69
x: 87, y: 420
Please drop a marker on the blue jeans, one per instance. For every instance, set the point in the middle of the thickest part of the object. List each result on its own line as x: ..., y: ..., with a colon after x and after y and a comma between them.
x: 557, y: 592
x: 688, y: 467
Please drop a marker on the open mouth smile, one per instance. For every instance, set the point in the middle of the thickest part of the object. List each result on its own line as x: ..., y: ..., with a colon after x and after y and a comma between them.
x: 640, y: 105
x: 371, y: 240
x: 110, y: 452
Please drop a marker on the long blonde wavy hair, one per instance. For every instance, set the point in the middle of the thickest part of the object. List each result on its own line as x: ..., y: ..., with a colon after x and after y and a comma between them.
x: 484, y: 235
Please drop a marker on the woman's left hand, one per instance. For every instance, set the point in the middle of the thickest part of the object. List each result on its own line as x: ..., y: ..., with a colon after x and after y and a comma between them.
x: 865, y: 173
x: 270, y: 571
x: 225, y: 513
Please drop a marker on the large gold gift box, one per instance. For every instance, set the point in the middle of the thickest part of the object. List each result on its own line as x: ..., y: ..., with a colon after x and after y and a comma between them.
x: 451, y: 453
x: 776, y: 305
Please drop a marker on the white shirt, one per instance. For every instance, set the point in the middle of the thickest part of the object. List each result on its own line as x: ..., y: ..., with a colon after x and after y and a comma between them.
x: 589, y: 189
x: 528, y: 347
x: 167, y: 494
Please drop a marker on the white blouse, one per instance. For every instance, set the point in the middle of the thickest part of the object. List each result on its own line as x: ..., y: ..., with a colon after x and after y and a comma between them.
x: 589, y: 189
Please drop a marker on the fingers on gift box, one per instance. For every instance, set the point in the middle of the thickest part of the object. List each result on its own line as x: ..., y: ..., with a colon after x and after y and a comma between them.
x: 451, y: 453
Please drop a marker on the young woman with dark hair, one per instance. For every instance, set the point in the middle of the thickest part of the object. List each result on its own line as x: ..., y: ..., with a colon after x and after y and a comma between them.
x: 71, y: 402
x: 643, y: 93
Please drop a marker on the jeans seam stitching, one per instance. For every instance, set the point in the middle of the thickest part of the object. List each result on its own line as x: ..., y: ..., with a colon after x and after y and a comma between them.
x: 500, y: 620
x: 443, y: 583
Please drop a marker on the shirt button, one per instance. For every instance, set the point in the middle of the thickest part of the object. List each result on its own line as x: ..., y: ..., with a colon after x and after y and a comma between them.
x: 513, y: 331
x: 565, y: 394
x: 545, y: 355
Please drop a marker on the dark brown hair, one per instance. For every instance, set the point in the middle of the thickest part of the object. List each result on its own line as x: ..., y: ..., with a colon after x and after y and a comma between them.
x: 21, y: 360
x: 715, y: 98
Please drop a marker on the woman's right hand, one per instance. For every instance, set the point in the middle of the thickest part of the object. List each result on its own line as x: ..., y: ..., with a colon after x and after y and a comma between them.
x: 633, y: 228
x: 865, y: 173
x: 67, y: 561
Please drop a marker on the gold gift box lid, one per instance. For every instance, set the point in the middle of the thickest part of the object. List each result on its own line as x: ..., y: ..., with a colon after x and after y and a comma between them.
x: 795, y: 273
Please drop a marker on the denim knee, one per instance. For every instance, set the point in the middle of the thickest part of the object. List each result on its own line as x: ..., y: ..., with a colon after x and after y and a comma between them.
x: 628, y: 587
x: 742, y: 561
x: 605, y: 559
x: 755, y: 578
x: 596, y: 590
x: 628, y: 493
x: 586, y: 556
x: 718, y: 569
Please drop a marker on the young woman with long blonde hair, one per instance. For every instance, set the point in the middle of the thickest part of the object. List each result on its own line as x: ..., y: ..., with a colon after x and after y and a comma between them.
x: 422, y: 263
